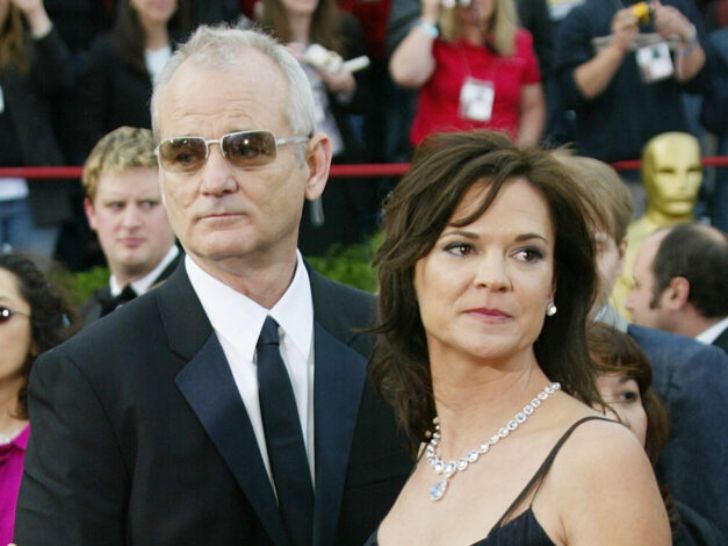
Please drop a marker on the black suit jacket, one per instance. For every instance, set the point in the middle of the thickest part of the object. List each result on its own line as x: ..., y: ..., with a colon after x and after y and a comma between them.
x: 722, y: 340
x: 692, y: 379
x: 140, y: 437
x: 92, y: 309
x: 29, y: 96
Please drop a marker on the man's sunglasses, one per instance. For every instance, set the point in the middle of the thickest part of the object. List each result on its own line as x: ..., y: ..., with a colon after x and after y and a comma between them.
x: 6, y: 314
x: 242, y: 149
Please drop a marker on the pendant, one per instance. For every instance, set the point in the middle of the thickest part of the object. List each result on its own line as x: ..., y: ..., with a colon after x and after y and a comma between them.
x: 437, y: 491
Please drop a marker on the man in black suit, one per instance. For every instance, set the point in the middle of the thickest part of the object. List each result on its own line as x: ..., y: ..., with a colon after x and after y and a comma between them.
x: 681, y: 283
x: 158, y: 426
x: 124, y: 207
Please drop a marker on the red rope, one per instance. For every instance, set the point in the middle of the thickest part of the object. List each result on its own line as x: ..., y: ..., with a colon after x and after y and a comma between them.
x: 359, y: 170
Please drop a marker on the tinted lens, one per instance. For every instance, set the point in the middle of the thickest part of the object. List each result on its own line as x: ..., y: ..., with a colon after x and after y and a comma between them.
x: 182, y: 154
x: 250, y: 148
x: 5, y: 314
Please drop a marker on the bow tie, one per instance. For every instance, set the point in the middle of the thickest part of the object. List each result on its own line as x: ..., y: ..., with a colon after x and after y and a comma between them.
x: 108, y: 304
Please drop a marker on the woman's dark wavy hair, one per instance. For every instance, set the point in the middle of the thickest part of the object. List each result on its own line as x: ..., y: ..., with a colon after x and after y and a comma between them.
x: 12, y: 45
x: 129, y: 39
x: 52, y: 319
x: 444, y: 167
x: 325, y: 24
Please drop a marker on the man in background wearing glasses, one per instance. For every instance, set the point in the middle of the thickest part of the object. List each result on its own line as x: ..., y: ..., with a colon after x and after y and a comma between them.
x: 124, y: 207
x: 230, y: 405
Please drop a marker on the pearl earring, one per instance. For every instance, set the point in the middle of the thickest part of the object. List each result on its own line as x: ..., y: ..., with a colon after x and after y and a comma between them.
x: 550, y: 309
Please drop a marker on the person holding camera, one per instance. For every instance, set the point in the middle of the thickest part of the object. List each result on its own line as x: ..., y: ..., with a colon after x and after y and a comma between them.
x: 623, y: 66
x: 475, y: 70
x: 321, y: 37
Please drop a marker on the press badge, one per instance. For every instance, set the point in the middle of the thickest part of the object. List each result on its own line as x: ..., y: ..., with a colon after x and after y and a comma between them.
x: 476, y: 99
x: 654, y: 62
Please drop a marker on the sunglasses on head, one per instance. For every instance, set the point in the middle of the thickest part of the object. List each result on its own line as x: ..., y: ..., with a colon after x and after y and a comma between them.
x: 6, y: 314
x: 242, y: 149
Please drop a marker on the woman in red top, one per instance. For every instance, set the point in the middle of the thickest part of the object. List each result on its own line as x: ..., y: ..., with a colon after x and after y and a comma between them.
x: 475, y: 68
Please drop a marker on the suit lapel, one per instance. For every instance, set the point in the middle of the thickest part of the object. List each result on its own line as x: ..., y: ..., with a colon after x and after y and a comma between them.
x: 722, y: 340
x: 208, y: 385
x: 340, y: 373
x: 171, y: 267
x: 92, y: 309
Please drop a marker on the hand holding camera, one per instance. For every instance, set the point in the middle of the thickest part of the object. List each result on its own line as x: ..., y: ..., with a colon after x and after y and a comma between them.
x: 331, y: 62
x: 669, y: 21
x: 334, y: 70
x: 625, y: 28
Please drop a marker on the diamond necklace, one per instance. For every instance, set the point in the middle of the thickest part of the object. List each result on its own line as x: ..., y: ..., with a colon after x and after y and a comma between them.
x: 447, y: 469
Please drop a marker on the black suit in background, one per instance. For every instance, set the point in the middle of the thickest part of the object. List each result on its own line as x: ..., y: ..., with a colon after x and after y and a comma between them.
x: 140, y: 436
x: 722, y: 340
x: 96, y: 305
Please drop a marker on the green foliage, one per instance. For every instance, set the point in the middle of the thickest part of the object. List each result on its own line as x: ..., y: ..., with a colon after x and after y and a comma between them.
x: 79, y: 286
x: 349, y: 265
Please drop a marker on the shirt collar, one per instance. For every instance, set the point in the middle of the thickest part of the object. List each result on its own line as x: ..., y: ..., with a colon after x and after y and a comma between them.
x: 294, y: 311
x: 20, y: 441
x: 608, y: 315
x: 239, y: 319
x: 709, y: 336
x: 141, y: 286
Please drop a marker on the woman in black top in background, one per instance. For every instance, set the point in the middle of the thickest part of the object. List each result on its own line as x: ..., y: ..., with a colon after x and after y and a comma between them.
x: 116, y: 82
x: 34, y: 66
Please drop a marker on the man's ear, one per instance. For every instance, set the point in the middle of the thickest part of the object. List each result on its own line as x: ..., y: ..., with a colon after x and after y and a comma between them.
x: 88, y: 208
x: 676, y: 294
x: 318, y: 160
x: 622, y: 250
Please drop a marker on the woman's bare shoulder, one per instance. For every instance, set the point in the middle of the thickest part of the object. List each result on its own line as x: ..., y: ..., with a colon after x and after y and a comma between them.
x: 605, y: 489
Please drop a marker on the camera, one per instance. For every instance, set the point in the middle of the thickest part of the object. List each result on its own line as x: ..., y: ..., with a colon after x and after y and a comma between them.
x: 643, y: 11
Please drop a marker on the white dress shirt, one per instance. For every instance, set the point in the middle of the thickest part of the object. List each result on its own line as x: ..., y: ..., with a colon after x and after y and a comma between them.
x: 238, y: 320
x: 141, y: 286
x: 708, y: 336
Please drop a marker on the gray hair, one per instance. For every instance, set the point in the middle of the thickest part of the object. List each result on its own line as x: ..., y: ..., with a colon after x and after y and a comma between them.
x: 220, y: 47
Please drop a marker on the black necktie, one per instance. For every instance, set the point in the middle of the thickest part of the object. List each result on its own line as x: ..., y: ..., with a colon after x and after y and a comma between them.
x: 108, y: 304
x: 284, y: 438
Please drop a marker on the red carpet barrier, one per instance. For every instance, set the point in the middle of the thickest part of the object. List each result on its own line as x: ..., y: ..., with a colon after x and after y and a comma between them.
x: 362, y: 170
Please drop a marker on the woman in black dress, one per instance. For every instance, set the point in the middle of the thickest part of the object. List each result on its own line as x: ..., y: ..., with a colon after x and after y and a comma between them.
x: 486, y: 279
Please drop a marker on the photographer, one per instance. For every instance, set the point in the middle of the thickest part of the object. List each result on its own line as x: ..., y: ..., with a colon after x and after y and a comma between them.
x: 622, y: 66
